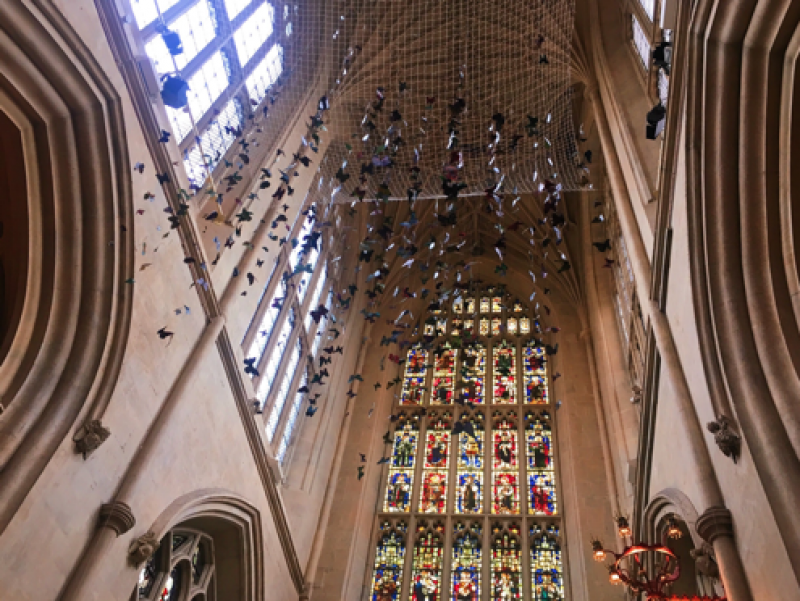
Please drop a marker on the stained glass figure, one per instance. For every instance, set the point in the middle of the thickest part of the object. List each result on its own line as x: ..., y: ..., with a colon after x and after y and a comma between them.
x: 466, y: 573
x: 496, y: 326
x: 441, y: 326
x: 535, y: 375
x: 456, y: 326
x: 511, y: 325
x: 485, y: 304
x: 401, y: 469
x: 426, y: 565
x: 504, y: 374
x: 388, y: 572
x: 469, y: 466
x: 524, y: 325
x: 506, y: 563
x: 414, y: 377
x: 540, y: 466
x: 483, y: 326
x: 469, y: 325
x: 444, y: 372
x: 546, y: 566
x: 458, y: 305
x: 473, y: 373
x: 434, y: 468
x: 505, y: 465
x: 497, y: 304
x: 518, y: 308
x: 469, y: 306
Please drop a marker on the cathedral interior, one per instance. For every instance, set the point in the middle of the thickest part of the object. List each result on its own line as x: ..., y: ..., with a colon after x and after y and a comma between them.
x: 383, y: 300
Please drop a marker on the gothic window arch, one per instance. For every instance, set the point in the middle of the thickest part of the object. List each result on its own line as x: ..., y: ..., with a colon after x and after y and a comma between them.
x: 472, y: 467
x: 183, y: 568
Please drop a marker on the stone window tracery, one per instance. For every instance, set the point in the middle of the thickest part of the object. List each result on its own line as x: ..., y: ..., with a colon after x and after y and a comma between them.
x: 183, y: 568
x: 483, y: 457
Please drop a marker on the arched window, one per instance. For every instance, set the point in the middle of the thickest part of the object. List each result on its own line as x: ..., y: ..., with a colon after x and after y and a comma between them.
x: 389, y: 560
x: 232, y: 55
x: 285, y: 336
x: 183, y: 568
x: 485, y: 455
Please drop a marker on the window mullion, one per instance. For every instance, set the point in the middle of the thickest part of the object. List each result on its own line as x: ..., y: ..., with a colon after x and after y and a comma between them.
x: 269, y: 402
x: 150, y: 31
x: 269, y: 349
x: 302, y: 367
x: 266, y: 303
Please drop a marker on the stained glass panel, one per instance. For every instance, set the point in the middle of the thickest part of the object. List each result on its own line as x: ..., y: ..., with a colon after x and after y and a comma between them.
x: 546, y: 567
x: 458, y: 305
x: 388, y: 572
x: 473, y: 373
x: 414, y: 379
x: 541, y: 469
x: 485, y: 304
x: 497, y: 304
x: 517, y: 307
x: 505, y: 465
x: 469, y: 467
x: 469, y: 306
x: 524, y: 325
x: 511, y: 325
x: 504, y: 374
x: 426, y: 566
x: 466, y: 574
x: 455, y: 327
x: 468, y: 326
x: 444, y: 372
x: 441, y: 326
x: 496, y: 326
x: 434, y: 468
x: 535, y: 375
x: 401, y: 467
x: 506, y: 563
x: 484, y: 326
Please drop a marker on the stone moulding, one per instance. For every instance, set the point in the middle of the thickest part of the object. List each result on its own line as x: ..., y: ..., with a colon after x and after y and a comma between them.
x: 69, y: 348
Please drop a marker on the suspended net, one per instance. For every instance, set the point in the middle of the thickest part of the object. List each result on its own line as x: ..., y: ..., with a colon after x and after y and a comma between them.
x: 433, y: 99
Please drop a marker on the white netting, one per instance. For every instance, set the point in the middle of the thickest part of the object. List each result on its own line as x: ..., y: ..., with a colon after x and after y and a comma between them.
x: 416, y: 88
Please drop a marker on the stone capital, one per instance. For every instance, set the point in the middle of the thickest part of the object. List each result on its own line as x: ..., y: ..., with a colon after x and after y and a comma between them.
x: 117, y: 516
x: 714, y: 523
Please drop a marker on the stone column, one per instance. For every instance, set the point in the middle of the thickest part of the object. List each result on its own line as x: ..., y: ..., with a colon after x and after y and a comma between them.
x: 715, y: 526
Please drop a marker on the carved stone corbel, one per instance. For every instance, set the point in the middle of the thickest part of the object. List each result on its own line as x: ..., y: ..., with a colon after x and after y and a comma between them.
x: 728, y: 441
x: 714, y: 523
x: 90, y: 436
x: 705, y: 562
x: 141, y: 549
x: 117, y: 516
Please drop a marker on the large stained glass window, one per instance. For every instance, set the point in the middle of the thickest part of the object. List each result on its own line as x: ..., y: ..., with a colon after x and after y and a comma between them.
x: 389, y: 555
x: 546, y: 565
x: 506, y: 562
x: 437, y: 455
x: 472, y: 457
x: 426, y: 565
x: 466, y: 566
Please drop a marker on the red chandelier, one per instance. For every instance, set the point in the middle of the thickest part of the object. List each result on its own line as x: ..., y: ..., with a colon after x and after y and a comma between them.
x: 644, y: 569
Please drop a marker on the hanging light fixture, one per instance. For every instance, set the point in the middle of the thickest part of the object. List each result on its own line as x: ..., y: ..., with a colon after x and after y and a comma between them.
x: 673, y: 529
x: 623, y: 527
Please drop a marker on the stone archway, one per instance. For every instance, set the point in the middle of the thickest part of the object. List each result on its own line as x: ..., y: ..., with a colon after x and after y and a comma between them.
x: 68, y: 342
